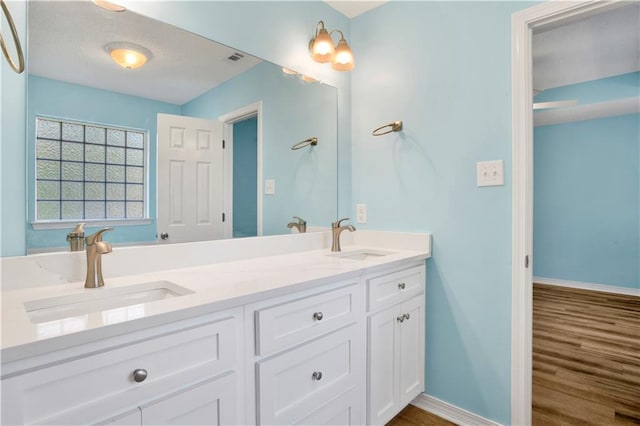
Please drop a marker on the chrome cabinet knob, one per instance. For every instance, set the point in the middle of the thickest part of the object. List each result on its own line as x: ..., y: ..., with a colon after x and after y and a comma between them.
x: 139, y: 374
x: 317, y: 375
x: 164, y: 236
x: 400, y: 318
x: 407, y: 316
x: 401, y: 286
x: 318, y: 316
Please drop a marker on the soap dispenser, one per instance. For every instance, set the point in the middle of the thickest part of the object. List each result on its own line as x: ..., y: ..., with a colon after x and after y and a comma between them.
x: 76, y: 238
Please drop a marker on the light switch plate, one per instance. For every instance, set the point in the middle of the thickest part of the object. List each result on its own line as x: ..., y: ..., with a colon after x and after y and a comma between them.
x: 490, y: 173
x: 269, y: 186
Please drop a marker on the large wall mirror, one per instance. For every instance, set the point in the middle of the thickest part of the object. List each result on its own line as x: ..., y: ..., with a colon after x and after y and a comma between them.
x: 141, y: 149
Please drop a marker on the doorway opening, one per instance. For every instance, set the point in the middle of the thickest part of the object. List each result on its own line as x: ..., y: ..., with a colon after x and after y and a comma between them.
x: 547, y: 15
x: 243, y: 171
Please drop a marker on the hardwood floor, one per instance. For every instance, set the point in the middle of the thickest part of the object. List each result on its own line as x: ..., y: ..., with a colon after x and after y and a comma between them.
x: 586, y: 357
x: 414, y: 416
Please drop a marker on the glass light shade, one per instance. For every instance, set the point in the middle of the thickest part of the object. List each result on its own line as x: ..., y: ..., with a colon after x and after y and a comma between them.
x: 109, y: 6
x: 128, y: 58
x: 343, y: 59
x: 322, y: 48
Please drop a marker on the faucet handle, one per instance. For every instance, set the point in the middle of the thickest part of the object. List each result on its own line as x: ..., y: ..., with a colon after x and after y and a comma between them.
x: 93, y: 238
x: 337, y: 223
x: 300, y: 220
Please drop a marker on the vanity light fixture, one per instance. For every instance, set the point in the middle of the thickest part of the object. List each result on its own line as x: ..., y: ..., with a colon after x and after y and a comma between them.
x: 323, y: 50
x: 128, y: 55
x: 109, y: 6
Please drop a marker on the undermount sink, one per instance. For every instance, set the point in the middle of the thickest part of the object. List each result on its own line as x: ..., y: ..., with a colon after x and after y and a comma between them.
x: 362, y: 254
x: 100, y: 299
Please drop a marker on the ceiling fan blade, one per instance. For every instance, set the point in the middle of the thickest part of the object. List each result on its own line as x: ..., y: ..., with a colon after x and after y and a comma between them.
x: 555, y: 104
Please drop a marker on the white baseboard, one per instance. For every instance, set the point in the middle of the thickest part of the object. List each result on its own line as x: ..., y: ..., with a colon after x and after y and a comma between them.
x: 588, y: 286
x: 450, y: 412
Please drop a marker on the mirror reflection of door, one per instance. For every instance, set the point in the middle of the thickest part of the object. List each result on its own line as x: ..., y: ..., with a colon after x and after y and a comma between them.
x: 245, y: 178
x: 190, y: 179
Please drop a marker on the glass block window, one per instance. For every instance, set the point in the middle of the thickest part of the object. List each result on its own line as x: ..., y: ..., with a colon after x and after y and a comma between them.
x: 84, y: 171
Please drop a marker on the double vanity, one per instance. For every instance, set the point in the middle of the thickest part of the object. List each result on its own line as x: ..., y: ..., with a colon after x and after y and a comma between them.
x: 270, y: 331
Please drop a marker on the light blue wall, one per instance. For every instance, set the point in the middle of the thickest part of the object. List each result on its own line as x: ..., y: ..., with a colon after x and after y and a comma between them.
x: 587, y: 201
x: 292, y: 111
x: 444, y: 69
x: 605, y: 89
x: 12, y: 145
x: 245, y: 162
x: 58, y: 99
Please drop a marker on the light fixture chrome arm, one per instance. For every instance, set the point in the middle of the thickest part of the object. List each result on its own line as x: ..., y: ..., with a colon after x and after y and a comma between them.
x: 19, y: 67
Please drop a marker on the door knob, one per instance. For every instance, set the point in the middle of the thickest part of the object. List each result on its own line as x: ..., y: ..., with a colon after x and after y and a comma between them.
x: 164, y: 236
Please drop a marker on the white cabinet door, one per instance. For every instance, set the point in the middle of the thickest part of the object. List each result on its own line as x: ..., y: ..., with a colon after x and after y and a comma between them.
x: 211, y: 403
x: 384, y: 361
x: 411, y: 350
x: 396, y: 359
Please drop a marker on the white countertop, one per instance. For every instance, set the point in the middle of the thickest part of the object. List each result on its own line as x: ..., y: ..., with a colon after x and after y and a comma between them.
x: 215, y: 287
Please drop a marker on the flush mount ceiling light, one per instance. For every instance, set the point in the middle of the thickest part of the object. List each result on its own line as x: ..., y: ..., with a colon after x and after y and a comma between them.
x: 128, y: 55
x: 109, y: 6
x: 323, y: 50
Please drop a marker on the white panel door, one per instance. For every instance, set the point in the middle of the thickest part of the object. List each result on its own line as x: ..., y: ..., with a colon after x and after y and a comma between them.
x: 190, y: 179
x: 411, y: 349
x: 212, y: 403
x: 384, y: 360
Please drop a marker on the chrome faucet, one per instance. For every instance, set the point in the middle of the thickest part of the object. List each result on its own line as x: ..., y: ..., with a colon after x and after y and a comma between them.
x: 301, y: 225
x: 336, y: 230
x: 95, y: 249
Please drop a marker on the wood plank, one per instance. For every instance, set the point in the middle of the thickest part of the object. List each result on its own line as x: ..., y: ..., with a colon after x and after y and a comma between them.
x: 586, y: 357
x: 414, y: 416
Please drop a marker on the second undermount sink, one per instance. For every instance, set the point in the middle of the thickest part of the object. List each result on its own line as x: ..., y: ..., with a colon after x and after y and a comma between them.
x: 361, y: 254
x: 100, y: 299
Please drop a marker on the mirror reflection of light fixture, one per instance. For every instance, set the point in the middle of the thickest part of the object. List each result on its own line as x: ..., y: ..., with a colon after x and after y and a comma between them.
x: 323, y: 50
x: 128, y: 55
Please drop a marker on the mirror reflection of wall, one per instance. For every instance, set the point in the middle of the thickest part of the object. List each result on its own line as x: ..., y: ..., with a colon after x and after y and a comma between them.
x: 64, y: 85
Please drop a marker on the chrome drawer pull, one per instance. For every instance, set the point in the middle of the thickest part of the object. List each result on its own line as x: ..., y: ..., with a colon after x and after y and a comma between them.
x: 318, y: 316
x: 139, y: 374
x: 317, y: 375
x: 401, y: 286
x: 400, y: 318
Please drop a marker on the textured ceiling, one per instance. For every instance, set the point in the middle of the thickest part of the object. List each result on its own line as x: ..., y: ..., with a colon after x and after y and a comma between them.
x: 66, y: 42
x: 598, y: 46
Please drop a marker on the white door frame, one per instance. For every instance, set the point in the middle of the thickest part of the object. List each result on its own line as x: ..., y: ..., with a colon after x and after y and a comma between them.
x: 254, y: 109
x: 522, y: 24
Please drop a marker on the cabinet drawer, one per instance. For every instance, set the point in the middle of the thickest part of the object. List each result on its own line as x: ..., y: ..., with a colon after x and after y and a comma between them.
x: 294, y: 322
x: 386, y: 290
x: 296, y: 383
x: 94, y: 387
x: 343, y: 410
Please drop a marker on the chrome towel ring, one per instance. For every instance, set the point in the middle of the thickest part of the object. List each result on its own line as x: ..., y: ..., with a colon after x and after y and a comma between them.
x: 20, y: 66
x: 395, y: 126
x: 311, y: 141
